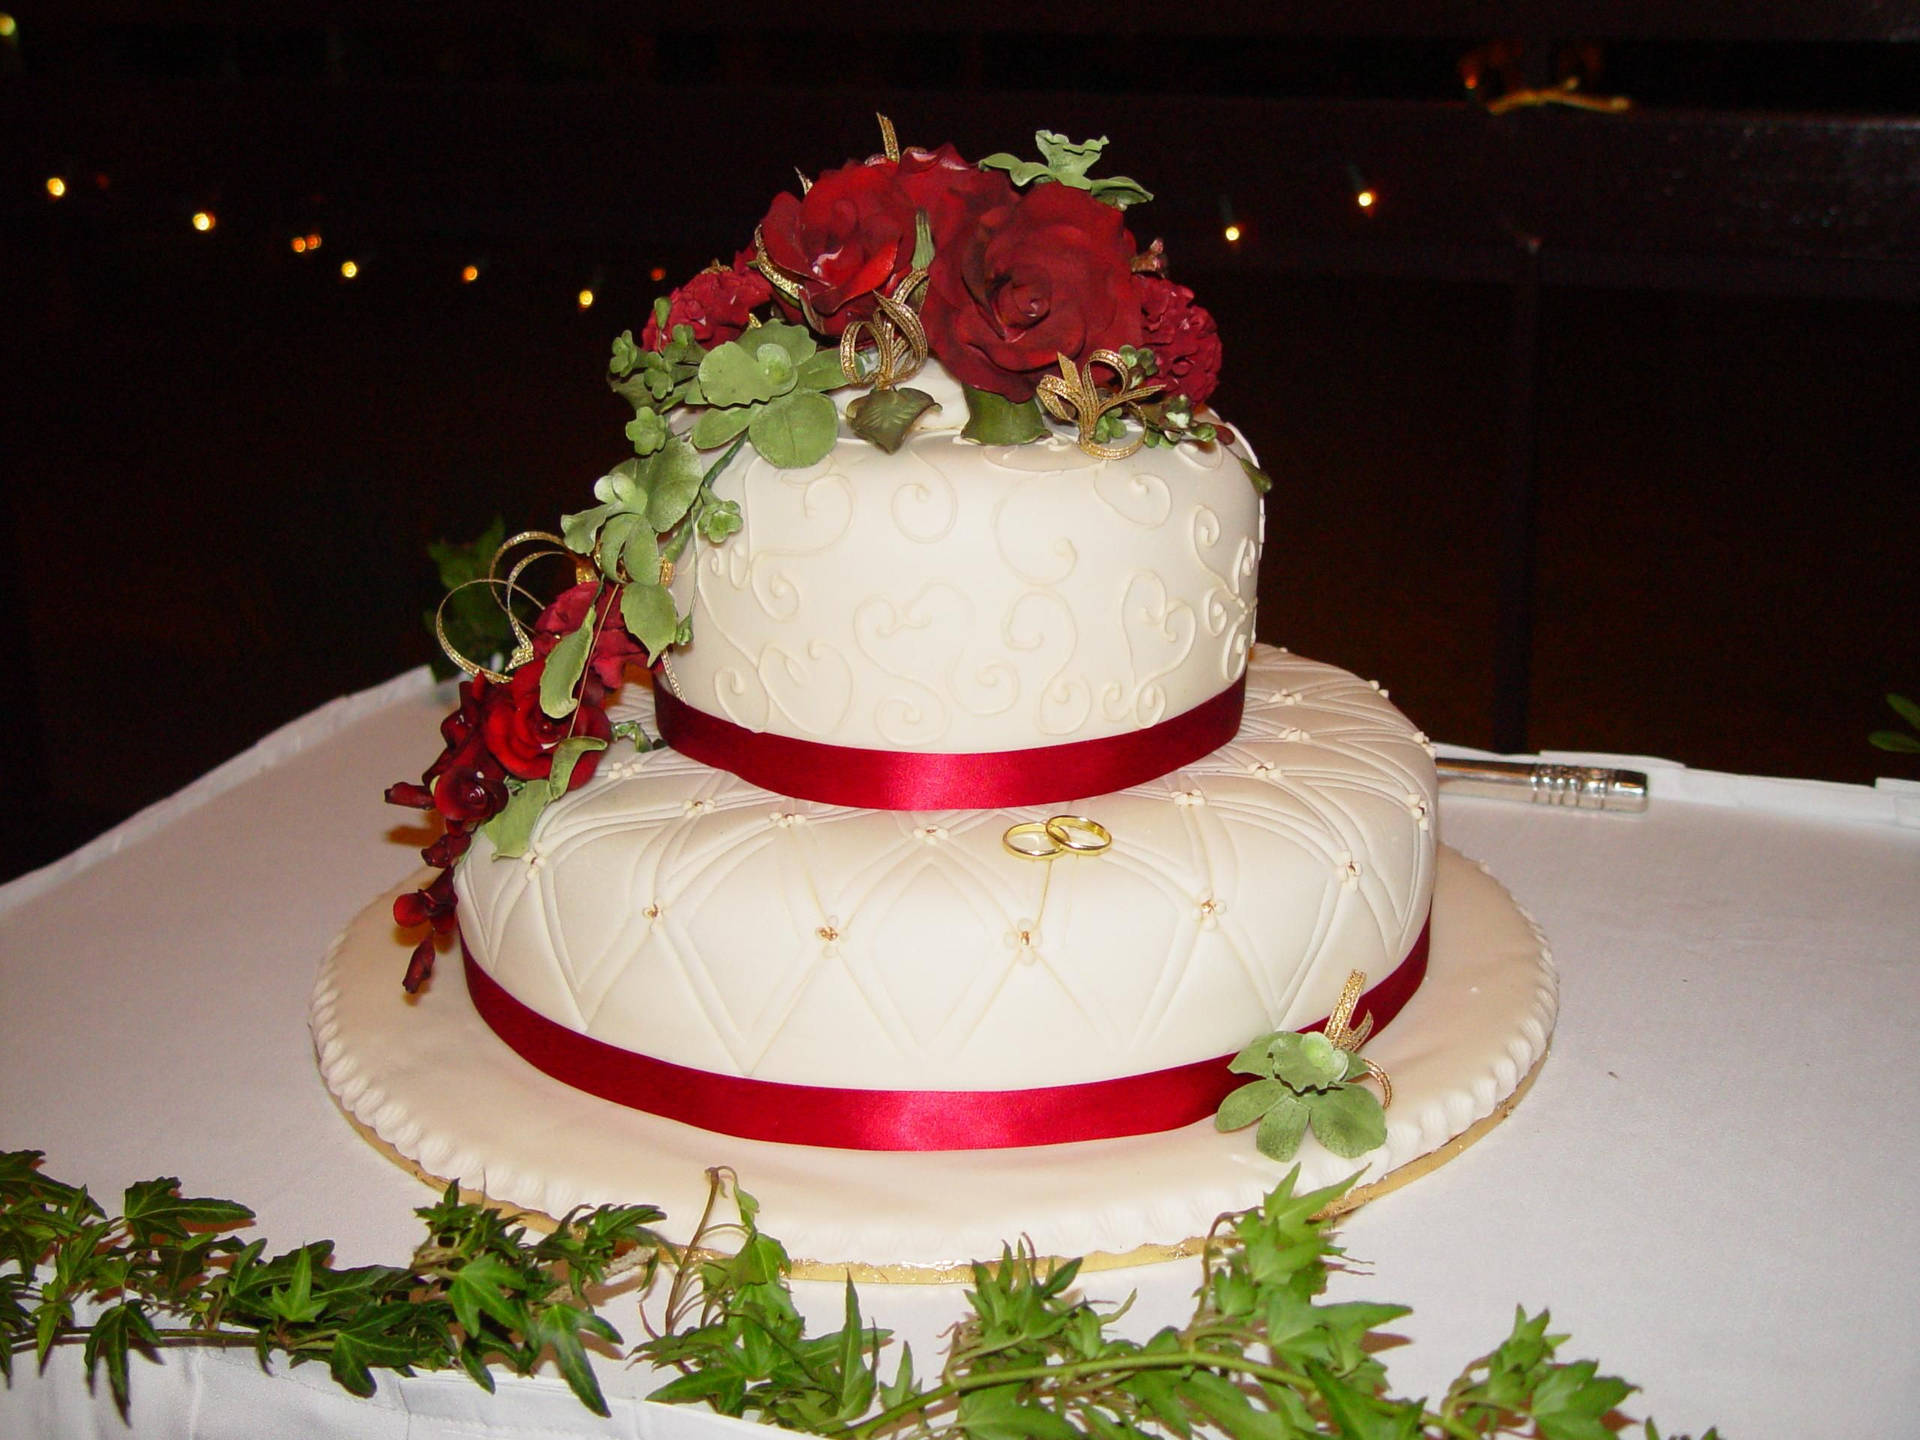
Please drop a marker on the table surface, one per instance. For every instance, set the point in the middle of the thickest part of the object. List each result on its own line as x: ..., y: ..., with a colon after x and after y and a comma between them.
x: 1711, y: 1183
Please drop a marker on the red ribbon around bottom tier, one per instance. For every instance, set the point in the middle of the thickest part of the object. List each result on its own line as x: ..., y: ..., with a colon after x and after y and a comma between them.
x: 851, y: 1119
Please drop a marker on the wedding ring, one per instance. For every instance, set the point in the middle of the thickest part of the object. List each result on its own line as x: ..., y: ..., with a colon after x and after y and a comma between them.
x: 1078, y: 834
x: 1031, y: 840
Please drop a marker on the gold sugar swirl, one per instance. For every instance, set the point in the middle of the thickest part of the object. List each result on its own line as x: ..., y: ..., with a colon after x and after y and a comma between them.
x: 1074, y: 397
x: 1349, y: 1037
x: 504, y: 589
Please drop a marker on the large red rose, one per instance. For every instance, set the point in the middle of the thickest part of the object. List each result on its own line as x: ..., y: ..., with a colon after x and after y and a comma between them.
x: 953, y: 192
x: 850, y: 235
x: 1048, y: 275
x: 715, y: 304
x: 522, y: 736
x: 613, y: 647
x: 1181, y: 335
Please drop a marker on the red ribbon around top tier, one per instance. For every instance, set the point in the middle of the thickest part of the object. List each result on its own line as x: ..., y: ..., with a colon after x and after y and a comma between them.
x: 851, y: 1119
x: 918, y: 780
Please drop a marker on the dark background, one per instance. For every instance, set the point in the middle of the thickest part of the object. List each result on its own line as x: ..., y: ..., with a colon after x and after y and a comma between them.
x: 1598, y: 430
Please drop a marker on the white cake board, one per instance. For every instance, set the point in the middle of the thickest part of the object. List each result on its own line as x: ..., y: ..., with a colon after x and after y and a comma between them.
x: 430, y: 1081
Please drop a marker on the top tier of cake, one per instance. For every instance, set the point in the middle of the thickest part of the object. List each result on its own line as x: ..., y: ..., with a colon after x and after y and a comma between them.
x: 957, y: 597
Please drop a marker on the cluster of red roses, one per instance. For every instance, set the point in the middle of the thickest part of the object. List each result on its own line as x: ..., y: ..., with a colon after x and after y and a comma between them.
x: 1019, y: 277
x: 500, y: 731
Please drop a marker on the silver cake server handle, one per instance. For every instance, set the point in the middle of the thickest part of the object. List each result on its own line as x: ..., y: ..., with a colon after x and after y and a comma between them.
x: 1582, y: 787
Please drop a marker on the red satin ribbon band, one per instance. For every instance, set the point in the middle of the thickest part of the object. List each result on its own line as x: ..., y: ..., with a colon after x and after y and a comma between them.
x: 915, y: 780
x: 851, y: 1119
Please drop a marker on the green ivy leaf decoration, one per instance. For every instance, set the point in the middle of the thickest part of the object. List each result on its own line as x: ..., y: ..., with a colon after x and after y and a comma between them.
x: 995, y: 420
x: 1067, y: 163
x: 565, y: 664
x: 649, y: 615
x: 1304, y: 1082
x: 884, y: 417
x: 1263, y: 1357
x: 1899, y: 742
x: 769, y: 385
x: 511, y: 831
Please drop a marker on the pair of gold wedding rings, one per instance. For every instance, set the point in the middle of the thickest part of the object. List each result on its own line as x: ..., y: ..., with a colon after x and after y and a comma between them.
x: 1061, y: 835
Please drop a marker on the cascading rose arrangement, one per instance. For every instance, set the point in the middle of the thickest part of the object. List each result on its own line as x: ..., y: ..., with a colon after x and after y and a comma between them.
x: 1022, y: 278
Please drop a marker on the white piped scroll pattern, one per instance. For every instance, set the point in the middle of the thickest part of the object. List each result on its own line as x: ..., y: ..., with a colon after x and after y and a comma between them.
x: 960, y: 597
x: 681, y: 912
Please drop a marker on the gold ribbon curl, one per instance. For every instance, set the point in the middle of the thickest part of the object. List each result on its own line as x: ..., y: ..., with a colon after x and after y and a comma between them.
x: 1349, y: 1037
x: 505, y: 589
x: 1073, y: 397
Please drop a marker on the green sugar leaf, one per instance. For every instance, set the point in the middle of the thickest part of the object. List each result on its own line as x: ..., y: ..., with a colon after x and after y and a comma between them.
x: 821, y: 371
x: 566, y: 755
x: 648, y: 432
x: 1309, y: 1062
x: 796, y: 340
x: 719, y: 519
x: 578, y: 529
x: 649, y: 615
x: 625, y: 540
x: 1348, y: 1121
x: 730, y: 375
x: 1248, y: 1103
x: 512, y: 829
x: 1282, y: 1128
x: 884, y: 417
x: 1252, y: 1059
x: 565, y: 664
x: 1906, y: 709
x: 1896, y: 741
x: 673, y: 480
x: 777, y: 366
x: 1261, y: 483
x: 716, y: 426
x: 626, y: 354
x: 795, y: 430
x: 995, y: 420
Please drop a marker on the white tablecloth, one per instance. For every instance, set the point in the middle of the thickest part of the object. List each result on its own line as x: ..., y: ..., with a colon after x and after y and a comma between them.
x: 1712, y: 1182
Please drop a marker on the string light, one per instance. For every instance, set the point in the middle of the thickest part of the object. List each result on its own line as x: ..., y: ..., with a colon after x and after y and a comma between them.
x: 56, y: 187
x: 313, y: 240
x: 585, y: 299
x: 1232, y: 232
x: 203, y: 221
x: 348, y: 269
x: 657, y: 274
x: 469, y: 274
x: 1364, y: 195
x: 9, y: 27
x: 299, y: 244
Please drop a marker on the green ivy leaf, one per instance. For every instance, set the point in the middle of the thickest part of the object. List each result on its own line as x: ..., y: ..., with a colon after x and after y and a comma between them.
x: 719, y: 519
x: 1348, y: 1121
x: 795, y: 430
x: 674, y: 477
x: 1282, y: 1128
x: 156, y: 1207
x: 883, y: 417
x: 1247, y: 1104
x: 1308, y: 1062
x: 716, y: 427
x: 487, y: 1285
x: 648, y: 431
x: 649, y: 615
x: 565, y: 664
x: 995, y: 420
x: 731, y: 375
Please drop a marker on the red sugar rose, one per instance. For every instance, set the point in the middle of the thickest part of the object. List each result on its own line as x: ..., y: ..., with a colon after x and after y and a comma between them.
x: 1182, y: 336
x: 716, y: 304
x: 1046, y: 275
x: 470, y: 785
x: 953, y: 192
x: 850, y: 235
x: 613, y: 647
x: 523, y: 736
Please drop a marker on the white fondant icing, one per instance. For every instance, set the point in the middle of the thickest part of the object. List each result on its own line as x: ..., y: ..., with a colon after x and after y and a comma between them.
x: 1237, y: 894
x: 963, y: 597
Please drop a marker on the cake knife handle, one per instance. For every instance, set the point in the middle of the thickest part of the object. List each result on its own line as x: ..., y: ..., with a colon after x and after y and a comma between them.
x: 1582, y: 787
